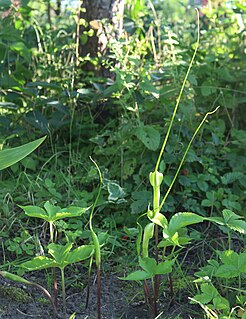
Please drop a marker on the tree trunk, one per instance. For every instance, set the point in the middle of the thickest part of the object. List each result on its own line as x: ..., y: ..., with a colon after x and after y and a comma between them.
x: 99, y: 14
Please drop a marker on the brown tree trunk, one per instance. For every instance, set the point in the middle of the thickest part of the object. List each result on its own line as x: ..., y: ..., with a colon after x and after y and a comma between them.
x: 99, y: 14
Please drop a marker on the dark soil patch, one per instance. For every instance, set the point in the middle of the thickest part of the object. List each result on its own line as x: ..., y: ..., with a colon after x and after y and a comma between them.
x: 120, y: 300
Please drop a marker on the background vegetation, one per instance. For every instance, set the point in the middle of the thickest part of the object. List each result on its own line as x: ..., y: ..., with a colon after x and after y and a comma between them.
x: 120, y: 117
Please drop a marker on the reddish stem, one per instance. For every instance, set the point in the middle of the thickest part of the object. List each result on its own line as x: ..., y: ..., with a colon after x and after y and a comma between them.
x: 55, y: 288
x: 171, y: 302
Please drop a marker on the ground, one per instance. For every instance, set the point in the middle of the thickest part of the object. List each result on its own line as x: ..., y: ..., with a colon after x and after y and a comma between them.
x: 120, y: 300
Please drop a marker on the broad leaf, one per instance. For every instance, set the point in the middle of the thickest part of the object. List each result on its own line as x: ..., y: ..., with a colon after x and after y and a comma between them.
x: 52, y: 212
x: 208, y: 294
x: 233, y: 264
x: 149, y: 136
x: 158, y: 219
x: 164, y: 267
x: 137, y: 275
x: 148, y: 265
x: 35, y: 211
x: 221, y: 303
x: 79, y: 254
x: 38, y: 263
x: 71, y: 211
x: 60, y: 253
x: 231, y: 220
x: 11, y: 156
x: 180, y: 220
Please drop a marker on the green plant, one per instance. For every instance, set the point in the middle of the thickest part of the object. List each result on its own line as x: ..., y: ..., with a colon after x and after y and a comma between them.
x: 97, y: 243
x: 174, y: 231
x: 50, y: 214
x: 230, y: 301
x: 221, y: 281
x: 62, y: 257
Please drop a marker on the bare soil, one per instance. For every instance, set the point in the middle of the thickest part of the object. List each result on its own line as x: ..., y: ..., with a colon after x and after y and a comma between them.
x: 120, y: 300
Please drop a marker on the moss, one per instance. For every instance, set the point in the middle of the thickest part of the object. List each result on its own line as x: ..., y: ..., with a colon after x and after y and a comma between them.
x: 15, y: 294
x: 43, y: 300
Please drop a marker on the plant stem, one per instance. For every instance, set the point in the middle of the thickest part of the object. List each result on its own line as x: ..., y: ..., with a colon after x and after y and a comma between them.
x: 51, y: 232
x: 63, y: 291
x: 99, y: 291
x: 149, y: 298
x: 171, y: 302
x: 55, y: 288
x: 155, y: 310
x: 229, y: 239
x: 54, y: 270
x: 180, y: 95
x: 47, y: 294
x: 96, y: 243
x: 88, y: 286
x: 185, y: 153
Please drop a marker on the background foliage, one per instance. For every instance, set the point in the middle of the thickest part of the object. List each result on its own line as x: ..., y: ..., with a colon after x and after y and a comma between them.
x: 121, y: 120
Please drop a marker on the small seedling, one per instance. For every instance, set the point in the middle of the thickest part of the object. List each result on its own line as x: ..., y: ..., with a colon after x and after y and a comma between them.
x: 50, y: 214
x: 62, y: 256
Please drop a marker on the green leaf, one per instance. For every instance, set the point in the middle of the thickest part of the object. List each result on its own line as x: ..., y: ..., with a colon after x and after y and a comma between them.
x: 231, y: 220
x: 164, y: 267
x: 38, y: 263
x: 148, y: 265
x: 208, y: 293
x: 221, y: 303
x: 80, y: 253
x: 149, y: 136
x: 11, y: 156
x: 22, y: 50
x: 137, y: 275
x: 71, y: 211
x: 60, y: 253
x: 231, y: 177
x: 35, y: 211
x: 5, y: 5
x: 227, y: 271
x: 180, y: 220
x: 52, y: 212
x: 233, y: 264
x: 115, y: 191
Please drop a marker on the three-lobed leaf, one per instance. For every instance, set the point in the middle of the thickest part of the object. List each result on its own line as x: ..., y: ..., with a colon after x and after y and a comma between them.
x: 61, y: 257
x: 150, y: 269
x: 233, y: 264
x: 52, y: 213
x: 231, y: 220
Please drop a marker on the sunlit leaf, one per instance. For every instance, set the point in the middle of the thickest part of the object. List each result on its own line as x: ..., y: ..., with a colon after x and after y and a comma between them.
x: 38, y: 263
x: 79, y: 254
x: 137, y: 275
x: 180, y: 220
x: 11, y: 156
